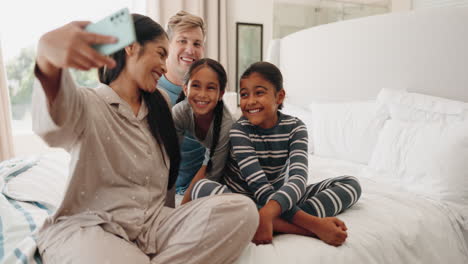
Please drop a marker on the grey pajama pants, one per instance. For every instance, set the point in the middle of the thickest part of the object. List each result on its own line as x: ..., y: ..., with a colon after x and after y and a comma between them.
x: 210, y: 230
x: 323, y: 199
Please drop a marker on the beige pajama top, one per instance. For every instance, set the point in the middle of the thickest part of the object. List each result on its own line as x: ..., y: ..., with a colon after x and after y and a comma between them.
x: 118, y: 172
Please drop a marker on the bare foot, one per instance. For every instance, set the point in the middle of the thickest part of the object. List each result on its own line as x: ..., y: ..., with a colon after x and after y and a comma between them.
x: 282, y: 226
x: 329, y: 230
x: 264, y: 234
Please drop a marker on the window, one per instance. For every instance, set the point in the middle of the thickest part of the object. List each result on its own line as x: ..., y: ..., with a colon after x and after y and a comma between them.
x: 22, y: 22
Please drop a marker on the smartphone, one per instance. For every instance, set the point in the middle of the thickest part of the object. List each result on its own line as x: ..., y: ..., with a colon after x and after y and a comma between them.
x: 119, y: 25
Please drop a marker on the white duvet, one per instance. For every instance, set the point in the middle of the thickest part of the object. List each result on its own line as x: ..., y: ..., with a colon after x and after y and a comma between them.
x: 387, y: 225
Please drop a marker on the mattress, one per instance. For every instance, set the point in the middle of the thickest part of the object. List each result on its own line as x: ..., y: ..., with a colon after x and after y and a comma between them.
x: 387, y: 225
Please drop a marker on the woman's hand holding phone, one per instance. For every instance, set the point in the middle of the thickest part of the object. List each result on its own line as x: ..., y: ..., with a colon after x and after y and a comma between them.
x: 70, y: 46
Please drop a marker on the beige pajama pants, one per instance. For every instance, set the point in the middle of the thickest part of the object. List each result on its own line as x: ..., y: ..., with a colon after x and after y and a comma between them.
x: 210, y: 230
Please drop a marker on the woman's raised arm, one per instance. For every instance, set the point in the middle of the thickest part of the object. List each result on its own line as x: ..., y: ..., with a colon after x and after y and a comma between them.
x: 68, y: 47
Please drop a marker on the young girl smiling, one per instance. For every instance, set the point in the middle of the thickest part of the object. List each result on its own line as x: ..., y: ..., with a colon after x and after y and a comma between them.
x: 200, y: 111
x: 269, y: 163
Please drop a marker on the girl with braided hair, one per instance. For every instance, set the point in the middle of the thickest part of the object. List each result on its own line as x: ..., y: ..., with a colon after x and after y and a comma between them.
x: 200, y: 111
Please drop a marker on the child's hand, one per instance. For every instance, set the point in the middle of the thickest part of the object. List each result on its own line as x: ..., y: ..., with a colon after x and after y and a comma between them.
x: 332, y: 231
x: 264, y: 234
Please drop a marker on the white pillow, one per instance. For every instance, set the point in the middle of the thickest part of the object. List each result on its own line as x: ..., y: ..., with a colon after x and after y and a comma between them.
x: 43, y: 181
x: 305, y: 116
x: 415, y: 107
x: 430, y: 159
x: 347, y: 131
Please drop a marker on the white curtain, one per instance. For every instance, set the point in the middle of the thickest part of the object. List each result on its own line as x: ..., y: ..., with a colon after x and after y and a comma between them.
x: 6, y: 138
x: 214, y: 12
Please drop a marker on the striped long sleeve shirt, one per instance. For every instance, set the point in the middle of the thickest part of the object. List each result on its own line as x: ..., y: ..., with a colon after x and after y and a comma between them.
x: 270, y: 163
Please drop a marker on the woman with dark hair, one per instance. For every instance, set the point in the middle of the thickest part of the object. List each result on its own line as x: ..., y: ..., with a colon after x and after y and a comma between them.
x: 125, y: 156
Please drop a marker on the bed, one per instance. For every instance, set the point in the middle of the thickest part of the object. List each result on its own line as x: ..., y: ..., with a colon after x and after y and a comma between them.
x: 384, y: 99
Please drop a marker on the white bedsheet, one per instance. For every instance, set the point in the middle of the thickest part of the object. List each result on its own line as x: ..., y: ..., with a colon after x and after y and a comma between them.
x: 387, y: 225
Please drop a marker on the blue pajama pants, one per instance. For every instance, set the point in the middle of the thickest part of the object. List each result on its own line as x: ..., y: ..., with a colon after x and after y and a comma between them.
x: 323, y: 199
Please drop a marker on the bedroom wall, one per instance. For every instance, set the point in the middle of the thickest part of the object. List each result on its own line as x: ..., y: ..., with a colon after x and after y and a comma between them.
x: 290, y: 17
x: 401, y: 5
x: 405, y: 5
x: 259, y: 12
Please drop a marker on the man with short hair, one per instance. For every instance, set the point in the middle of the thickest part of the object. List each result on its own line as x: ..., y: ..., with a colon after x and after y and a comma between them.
x: 186, y: 44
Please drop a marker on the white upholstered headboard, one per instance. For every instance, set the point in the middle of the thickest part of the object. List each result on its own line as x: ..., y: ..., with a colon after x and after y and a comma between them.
x: 423, y: 51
